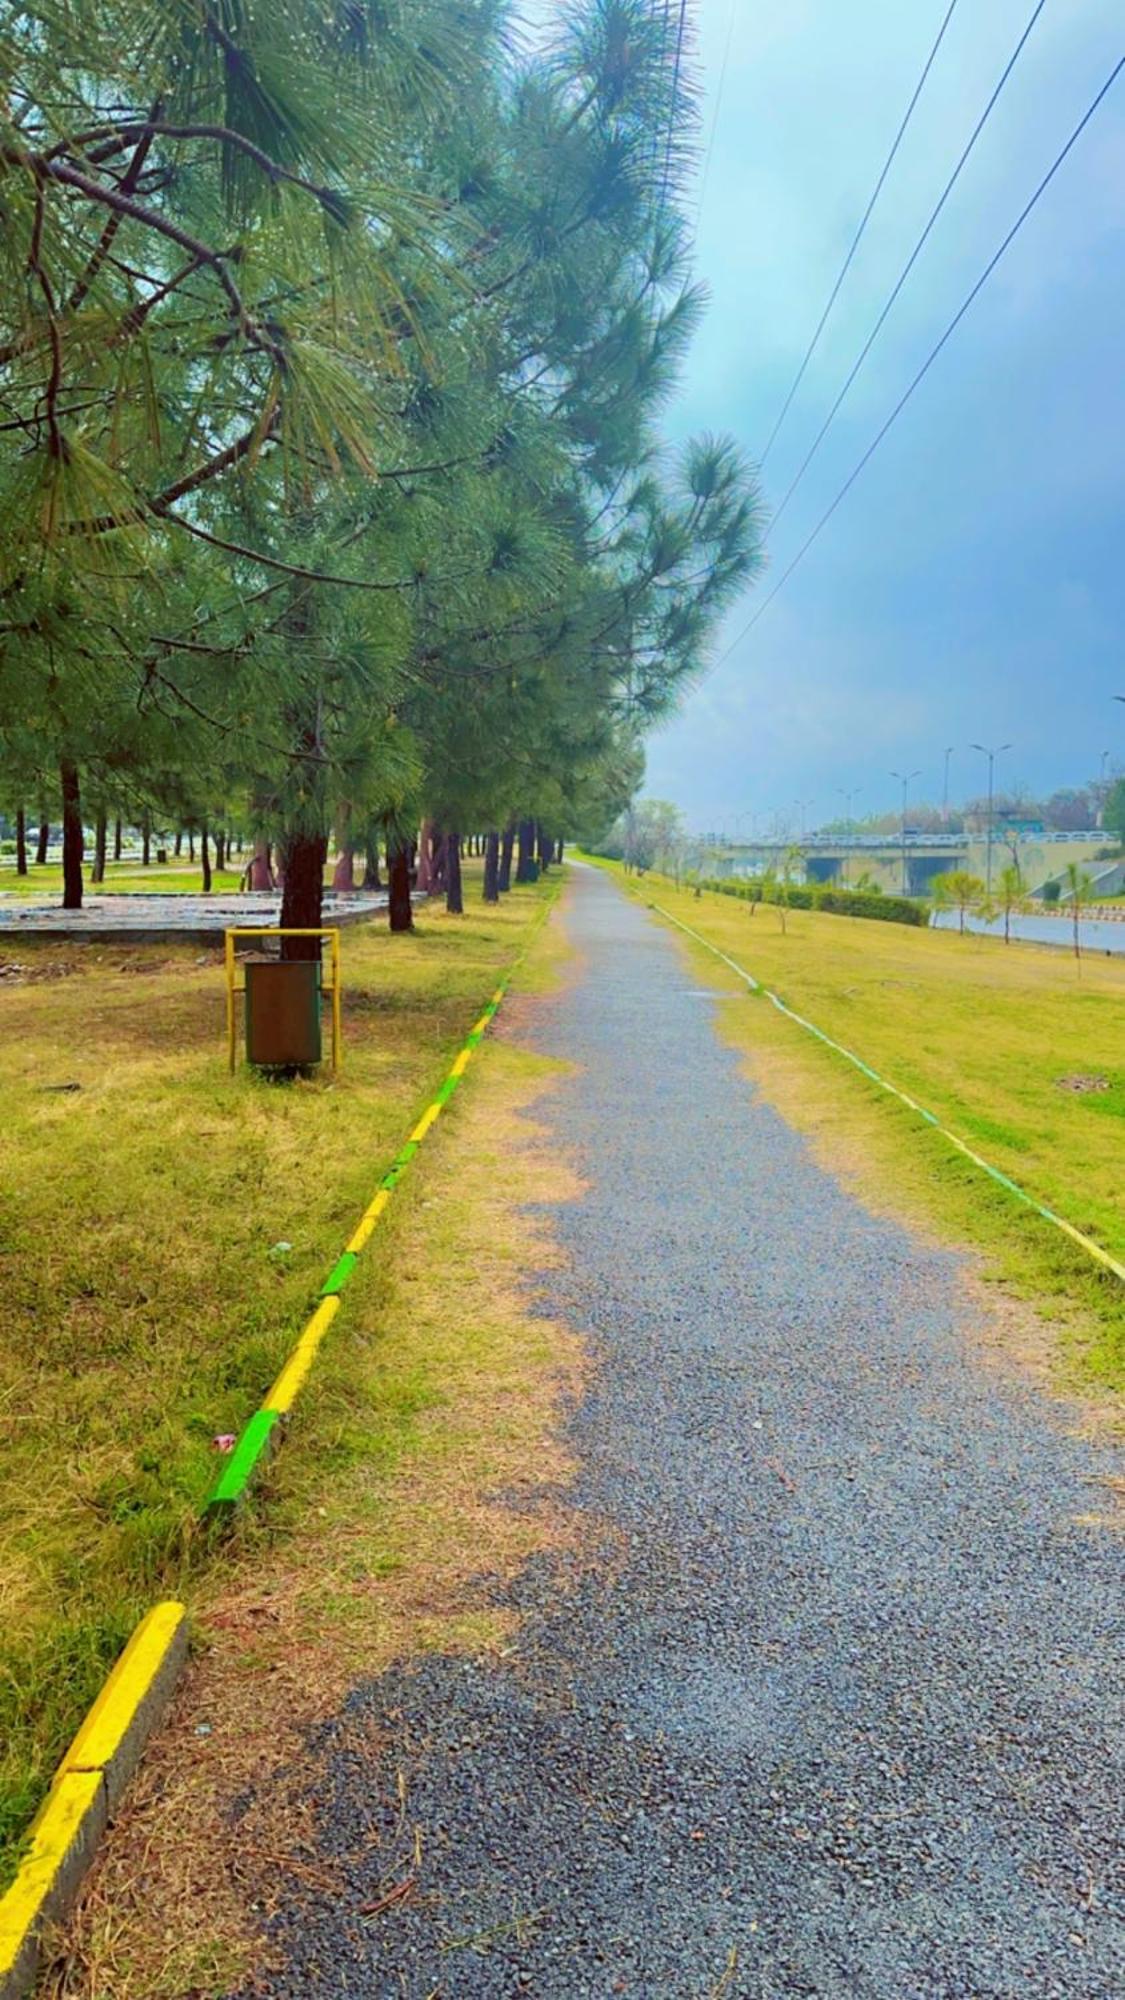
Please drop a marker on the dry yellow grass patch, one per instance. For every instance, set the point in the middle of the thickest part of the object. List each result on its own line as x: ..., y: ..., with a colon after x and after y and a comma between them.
x: 460, y: 1385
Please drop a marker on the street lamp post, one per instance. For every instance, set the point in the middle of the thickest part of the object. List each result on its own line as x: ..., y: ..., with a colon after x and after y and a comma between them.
x: 801, y: 805
x: 945, y: 788
x: 992, y: 754
x: 850, y: 822
x: 905, y: 779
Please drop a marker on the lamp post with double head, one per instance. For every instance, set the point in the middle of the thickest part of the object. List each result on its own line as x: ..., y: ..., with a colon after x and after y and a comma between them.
x: 906, y: 779
x: 992, y: 752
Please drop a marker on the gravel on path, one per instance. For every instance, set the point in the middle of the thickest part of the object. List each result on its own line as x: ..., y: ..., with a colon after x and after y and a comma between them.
x: 842, y: 1712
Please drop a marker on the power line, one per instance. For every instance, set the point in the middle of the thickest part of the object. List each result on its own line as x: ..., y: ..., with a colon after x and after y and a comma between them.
x: 909, y: 264
x: 677, y: 67
x: 723, y: 67
x: 858, y: 237
x: 932, y: 356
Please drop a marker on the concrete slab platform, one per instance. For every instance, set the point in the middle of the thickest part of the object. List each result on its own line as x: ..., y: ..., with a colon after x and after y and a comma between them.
x: 152, y: 918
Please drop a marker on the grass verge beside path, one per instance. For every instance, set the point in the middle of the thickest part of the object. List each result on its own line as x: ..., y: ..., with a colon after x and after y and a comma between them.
x: 427, y: 1472
x: 1002, y: 1043
x: 164, y: 1230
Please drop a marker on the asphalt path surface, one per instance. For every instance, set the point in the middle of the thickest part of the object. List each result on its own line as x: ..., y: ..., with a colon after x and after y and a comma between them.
x: 840, y: 1711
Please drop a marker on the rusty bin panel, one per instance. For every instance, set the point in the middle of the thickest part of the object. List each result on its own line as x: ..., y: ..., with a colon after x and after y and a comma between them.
x: 283, y: 1012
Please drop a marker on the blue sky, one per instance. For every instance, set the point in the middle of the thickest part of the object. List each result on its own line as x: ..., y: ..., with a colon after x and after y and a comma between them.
x: 972, y: 585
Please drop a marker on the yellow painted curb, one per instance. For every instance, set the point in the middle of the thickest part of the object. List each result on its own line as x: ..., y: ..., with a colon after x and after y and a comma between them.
x: 292, y: 1377
x: 462, y: 1063
x: 89, y: 1781
x: 110, y: 1738
x: 63, y: 1839
x: 424, y: 1123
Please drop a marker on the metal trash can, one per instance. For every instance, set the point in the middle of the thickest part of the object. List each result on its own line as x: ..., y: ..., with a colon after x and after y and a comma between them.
x: 283, y: 1012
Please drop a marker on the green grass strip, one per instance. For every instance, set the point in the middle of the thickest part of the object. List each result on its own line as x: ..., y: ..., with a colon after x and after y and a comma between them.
x: 1078, y: 1236
x: 338, y: 1277
x: 252, y: 1446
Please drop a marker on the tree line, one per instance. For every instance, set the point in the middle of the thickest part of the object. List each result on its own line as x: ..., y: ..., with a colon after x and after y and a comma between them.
x: 335, y: 338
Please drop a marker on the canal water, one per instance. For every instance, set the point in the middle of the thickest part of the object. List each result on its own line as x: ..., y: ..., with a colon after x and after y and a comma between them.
x: 1095, y: 934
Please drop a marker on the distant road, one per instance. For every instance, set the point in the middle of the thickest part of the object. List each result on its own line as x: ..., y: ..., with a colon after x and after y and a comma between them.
x: 1095, y: 934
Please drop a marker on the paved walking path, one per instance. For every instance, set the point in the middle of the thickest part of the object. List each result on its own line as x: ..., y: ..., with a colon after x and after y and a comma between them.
x: 842, y: 1715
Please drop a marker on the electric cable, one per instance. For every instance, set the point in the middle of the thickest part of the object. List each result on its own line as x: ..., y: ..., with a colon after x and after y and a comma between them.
x: 909, y: 264
x: 924, y: 370
x: 858, y: 237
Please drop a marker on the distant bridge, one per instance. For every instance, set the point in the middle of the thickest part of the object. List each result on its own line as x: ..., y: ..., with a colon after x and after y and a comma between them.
x: 909, y: 864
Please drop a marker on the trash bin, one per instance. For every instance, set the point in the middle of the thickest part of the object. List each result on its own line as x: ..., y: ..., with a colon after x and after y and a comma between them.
x: 283, y: 1012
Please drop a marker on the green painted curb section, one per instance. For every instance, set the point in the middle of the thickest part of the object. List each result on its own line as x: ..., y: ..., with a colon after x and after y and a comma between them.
x: 255, y: 1443
x: 338, y: 1277
x: 447, y: 1089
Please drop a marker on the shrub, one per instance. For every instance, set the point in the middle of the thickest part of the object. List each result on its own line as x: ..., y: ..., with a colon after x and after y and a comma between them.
x: 823, y: 896
x: 1052, y: 891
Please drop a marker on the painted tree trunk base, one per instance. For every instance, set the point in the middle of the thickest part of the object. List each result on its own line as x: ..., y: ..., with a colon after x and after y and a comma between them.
x: 259, y: 875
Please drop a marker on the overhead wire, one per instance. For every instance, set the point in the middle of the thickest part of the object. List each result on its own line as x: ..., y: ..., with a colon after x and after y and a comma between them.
x: 928, y: 363
x: 677, y: 68
x: 859, y: 235
x: 909, y: 264
x: 712, y: 135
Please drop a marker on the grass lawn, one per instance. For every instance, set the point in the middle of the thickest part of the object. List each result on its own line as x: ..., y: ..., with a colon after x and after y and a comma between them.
x: 992, y: 1039
x: 122, y: 878
x: 164, y: 1229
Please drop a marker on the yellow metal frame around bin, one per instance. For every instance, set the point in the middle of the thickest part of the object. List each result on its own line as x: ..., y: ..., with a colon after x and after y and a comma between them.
x: 233, y: 989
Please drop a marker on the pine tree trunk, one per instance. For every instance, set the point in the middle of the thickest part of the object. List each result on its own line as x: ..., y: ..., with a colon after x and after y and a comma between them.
x: 191, y: 846
x: 205, y: 858
x: 492, y: 868
x: 146, y: 842
x: 179, y: 847
x: 439, y: 862
x: 558, y: 851
x: 371, y: 861
x: 303, y: 899
x: 507, y: 842
x: 425, y: 858
x: 117, y: 840
x: 42, y: 843
x: 545, y: 847
x: 525, y: 865
x: 97, y: 872
x: 220, y: 851
x: 21, y: 841
x: 343, y: 875
x: 73, y: 842
x: 260, y: 873
x: 401, y: 911
x: 454, y: 899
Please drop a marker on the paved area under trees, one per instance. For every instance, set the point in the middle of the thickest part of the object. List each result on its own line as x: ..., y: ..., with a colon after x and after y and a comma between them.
x: 840, y: 1712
